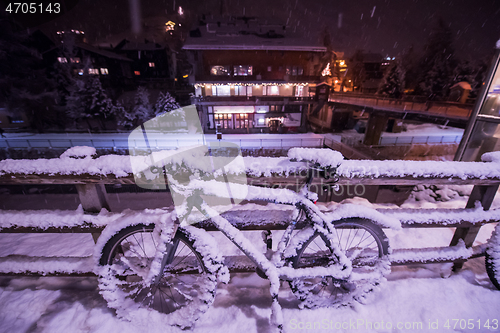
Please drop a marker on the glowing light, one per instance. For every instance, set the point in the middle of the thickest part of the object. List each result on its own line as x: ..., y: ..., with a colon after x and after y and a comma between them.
x: 342, y: 62
x: 180, y: 11
x: 326, y: 71
x: 336, y: 81
x: 244, y: 84
x: 169, y: 26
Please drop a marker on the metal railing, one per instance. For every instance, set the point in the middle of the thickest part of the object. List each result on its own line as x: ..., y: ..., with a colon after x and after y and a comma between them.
x: 418, y: 139
x: 158, y: 144
x: 406, y: 104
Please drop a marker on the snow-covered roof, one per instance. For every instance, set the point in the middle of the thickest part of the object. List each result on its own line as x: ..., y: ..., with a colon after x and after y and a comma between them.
x: 248, y: 35
x: 104, y: 53
x: 135, y: 46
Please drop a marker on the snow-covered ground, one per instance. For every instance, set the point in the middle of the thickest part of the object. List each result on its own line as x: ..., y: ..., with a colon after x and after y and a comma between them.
x: 421, y: 298
x: 415, y: 133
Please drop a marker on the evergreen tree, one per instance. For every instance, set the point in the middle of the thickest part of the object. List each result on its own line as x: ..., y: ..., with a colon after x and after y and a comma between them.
x: 394, y: 80
x: 89, y: 100
x: 357, y: 69
x: 168, y: 113
x: 479, y: 75
x: 437, y: 63
x: 24, y: 85
x: 165, y: 103
x: 409, y: 63
x: 463, y: 72
x: 64, y: 72
x: 139, y: 112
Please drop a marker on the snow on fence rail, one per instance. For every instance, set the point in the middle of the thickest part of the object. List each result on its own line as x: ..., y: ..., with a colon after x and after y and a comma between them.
x: 90, y: 174
x: 118, y: 169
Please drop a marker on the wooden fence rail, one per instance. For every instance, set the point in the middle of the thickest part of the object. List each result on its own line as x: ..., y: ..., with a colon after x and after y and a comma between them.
x: 93, y: 197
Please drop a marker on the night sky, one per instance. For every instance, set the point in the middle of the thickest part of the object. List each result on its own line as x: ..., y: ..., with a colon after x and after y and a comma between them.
x: 384, y: 26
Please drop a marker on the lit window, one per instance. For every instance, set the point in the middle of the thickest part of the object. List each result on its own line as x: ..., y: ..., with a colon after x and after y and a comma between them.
x: 104, y: 71
x: 151, y: 64
x: 80, y: 72
x: 269, y: 68
x: 62, y: 60
x: 243, y: 70
x: 75, y: 60
x: 299, y: 91
x: 137, y: 72
x: 93, y: 71
x: 241, y: 90
x: 273, y: 90
x: 223, y: 91
x: 220, y: 70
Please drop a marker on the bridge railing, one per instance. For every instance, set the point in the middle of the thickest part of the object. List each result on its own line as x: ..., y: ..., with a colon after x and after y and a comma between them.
x: 405, y: 104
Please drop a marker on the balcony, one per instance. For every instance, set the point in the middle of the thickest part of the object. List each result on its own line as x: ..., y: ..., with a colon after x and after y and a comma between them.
x: 203, y: 100
x: 256, y: 79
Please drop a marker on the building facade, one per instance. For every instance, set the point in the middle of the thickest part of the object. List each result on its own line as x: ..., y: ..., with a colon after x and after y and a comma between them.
x: 251, y: 77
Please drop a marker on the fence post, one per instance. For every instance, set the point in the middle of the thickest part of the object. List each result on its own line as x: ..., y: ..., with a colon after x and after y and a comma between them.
x: 484, y: 194
x: 93, y: 198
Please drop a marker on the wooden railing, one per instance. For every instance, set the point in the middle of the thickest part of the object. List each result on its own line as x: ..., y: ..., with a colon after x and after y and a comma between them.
x: 92, y: 194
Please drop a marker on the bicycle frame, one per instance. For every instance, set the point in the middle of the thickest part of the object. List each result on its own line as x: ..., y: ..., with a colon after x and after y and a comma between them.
x: 275, y: 264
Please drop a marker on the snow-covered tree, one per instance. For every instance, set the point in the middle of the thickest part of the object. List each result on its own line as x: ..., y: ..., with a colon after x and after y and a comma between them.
x: 165, y: 103
x: 168, y: 113
x: 89, y: 100
x: 393, y: 82
x: 436, y: 66
x: 139, y: 111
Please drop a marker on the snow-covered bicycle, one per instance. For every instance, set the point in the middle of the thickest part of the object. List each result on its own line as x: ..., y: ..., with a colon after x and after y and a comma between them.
x: 166, y: 271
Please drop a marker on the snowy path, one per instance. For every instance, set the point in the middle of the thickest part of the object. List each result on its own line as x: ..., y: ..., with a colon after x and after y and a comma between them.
x: 412, y: 298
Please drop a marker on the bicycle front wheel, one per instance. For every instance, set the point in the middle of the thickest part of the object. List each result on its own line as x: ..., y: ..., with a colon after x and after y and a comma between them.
x: 183, y: 291
x: 363, y: 243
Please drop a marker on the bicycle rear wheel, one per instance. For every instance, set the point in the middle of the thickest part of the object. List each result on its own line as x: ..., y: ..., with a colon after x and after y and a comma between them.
x: 492, y: 258
x: 363, y: 243
x: 183, y: 292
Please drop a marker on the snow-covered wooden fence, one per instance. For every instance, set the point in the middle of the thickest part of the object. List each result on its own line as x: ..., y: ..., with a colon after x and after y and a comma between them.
x: 90, y: 175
